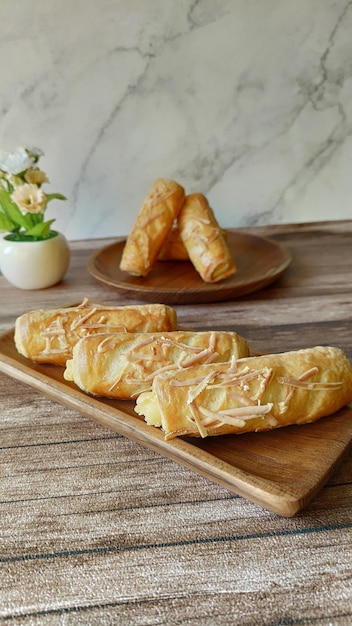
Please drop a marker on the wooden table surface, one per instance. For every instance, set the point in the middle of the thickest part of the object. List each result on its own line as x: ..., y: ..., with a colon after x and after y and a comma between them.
x: 98, y: 529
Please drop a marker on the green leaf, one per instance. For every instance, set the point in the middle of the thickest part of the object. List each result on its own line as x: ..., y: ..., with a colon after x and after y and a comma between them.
x: 11, y: 210
x: 41, y: 230
x: 55, y: 196
x: 5, y: 200
x: 33, y: 219
x: 5, y: 224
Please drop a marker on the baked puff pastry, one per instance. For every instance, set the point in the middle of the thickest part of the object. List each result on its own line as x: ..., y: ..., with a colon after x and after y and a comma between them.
x: 152, y: 226
x: 48, y: 335
x: 204, y: 240
x: 122, y: 366
x: 173, y: 248
x: 251, y: 394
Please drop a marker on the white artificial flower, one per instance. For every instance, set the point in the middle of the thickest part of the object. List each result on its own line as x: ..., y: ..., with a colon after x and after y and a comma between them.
x: 36, y: 152
x: 29, y: 198
x: 16, y: 162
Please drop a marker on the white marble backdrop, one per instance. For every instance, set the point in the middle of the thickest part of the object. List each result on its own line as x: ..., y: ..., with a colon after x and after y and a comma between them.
x: 247, y: 101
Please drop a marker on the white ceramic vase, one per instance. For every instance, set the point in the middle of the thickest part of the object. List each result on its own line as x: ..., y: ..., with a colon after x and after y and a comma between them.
x: 34, y: 264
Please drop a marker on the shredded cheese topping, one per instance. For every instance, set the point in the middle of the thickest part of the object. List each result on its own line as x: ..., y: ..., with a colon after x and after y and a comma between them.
x: 59, y: 335
x: 301, y: 383
x: 247, y: 389
x: 157, y: 354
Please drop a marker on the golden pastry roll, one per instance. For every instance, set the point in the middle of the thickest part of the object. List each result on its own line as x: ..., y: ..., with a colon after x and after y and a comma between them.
x: 249, y: 395
x: 123, y: 366
x: 173, y: 248
x: 48, y: 335
x: 152, y: 226
x: 204, y: 240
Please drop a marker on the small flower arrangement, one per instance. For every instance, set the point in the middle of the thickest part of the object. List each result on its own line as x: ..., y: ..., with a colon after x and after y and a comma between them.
x: 22, y: 199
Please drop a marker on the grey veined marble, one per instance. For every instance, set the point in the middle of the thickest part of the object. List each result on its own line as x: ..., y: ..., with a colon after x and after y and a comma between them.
x: 246, y: 101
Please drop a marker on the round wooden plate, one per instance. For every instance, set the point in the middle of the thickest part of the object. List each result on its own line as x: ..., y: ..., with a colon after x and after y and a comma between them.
x: 259, y: 262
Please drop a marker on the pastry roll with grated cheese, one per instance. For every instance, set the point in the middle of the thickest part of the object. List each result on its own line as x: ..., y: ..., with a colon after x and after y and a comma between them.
x: 48, y: 335
x: 152, y: 226
x: 250, y: 395
x: 204, y: 240
x: 123, y: 366
x: 173, y: 248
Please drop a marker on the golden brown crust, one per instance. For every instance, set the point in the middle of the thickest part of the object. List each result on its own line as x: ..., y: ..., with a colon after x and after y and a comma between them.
x: 48, y: 336
x: 124, y: 365
x: 173, y: 248
x: 154, y: 221
x: 257, y: 393
x: 204, y: 240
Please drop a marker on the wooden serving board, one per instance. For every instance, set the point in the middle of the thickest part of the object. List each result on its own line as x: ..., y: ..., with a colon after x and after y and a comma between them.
x: 281, y: 470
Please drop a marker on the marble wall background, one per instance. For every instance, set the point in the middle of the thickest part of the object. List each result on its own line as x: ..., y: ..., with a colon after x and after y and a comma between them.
x: 247, y: 101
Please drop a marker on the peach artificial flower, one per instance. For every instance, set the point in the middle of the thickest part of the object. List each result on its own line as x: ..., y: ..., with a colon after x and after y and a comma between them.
x: 29, y: 198
x: 35, y: 176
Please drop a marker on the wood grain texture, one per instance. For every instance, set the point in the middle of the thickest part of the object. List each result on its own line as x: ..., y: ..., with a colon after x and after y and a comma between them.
x: 259, y: 466
x: 259, y: 262
x: 98, y: 529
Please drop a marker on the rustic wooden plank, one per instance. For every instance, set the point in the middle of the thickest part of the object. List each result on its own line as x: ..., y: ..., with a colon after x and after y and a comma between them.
x: 95, y: 528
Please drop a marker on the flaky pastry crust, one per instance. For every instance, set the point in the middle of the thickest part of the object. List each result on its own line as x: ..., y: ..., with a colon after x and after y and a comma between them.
x: 204, y: 240
x: 152, y: 226
x: 49, y: 335
x: 124, y: 365
x: 173, y: 248
x: 252, y: 394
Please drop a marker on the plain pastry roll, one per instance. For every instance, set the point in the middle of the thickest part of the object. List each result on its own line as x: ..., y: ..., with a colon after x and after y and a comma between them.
x: 48, y: 335
x: 123, y: 366
x: 152, y: 226
x: 204, y: 240
x: 251, y: 394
